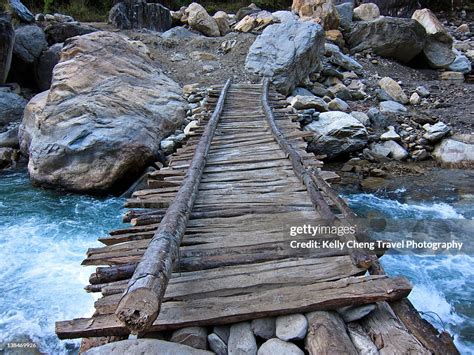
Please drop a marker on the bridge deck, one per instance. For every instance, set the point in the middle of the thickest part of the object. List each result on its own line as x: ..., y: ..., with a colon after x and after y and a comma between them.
x: 235, y: 259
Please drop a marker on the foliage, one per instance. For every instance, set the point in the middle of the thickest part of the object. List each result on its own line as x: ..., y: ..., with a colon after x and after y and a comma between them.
x: 48, y: 6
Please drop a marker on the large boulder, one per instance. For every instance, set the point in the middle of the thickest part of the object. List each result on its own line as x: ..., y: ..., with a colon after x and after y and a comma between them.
x: 322, y: 10
x: 58, y: 32
x: 11, y: 108
x: 222, y: 20
x: 397, y: 38
x: 46, y: 64
x: 7, y: 39
x: 129, y: 14
x: 102, y: 121
x: 201, y: 21
x: 287, y: 53
x: 456, y: 151
x: 336, y: 133
x: 21, y: 11
x: 30, y: 41
x: 438, y: 48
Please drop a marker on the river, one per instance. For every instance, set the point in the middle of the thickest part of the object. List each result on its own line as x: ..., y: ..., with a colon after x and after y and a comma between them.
x: 44, y: 237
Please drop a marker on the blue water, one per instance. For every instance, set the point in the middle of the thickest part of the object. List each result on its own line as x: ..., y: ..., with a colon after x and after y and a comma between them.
x: 443, y: 284
x: 43, y: 239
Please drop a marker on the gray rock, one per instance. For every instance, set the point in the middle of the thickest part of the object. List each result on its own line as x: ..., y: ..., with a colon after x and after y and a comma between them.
x: 397, y: 152
x: 63, y: 18
x: 392, y: 107
x: 455, y: 151
x: 167, y: 146
x: 8, y: 157
x: 195, y: 337
x: 335, y: 56
x: 223, y: 332
x: 422, y: 91
x: 9, y: 138
x: 285, y: 16
x: 397, y: 38
x: 291, y: 327
x: 336, y: 133
x: 59, y: 32
x: 217, y: 344
x: 338, y: 105
x: 461, y: 64
x: 361, y: 340
x: 390, y: 135
x: 7, y: 39
x: 366, y: 12
x: 382, y: 95
x: 130, y: 14
x: 264, y: 327
x: 241, y: 340
x: 179, y: 33
x: 435, y: 132
x: 340, y: 91
x: 21, y: 11
x: 245, y: 11
x: 319, y: 90
x: 222, y: 20
x: 301, y: 92
x: 277, y: 346
x: 201, y: 21
x: 377, y: 118
x: 145, y: 346
x: 11, y: 108
x: 361, y: 117
x: 345, y: 15
x: 46, y: 64
x: 119, y: 129
x: 305, y: 102
x: 415, y: 99
x: 30, y: 41
x: 393, y: 89
x: 351, y: 314
x: 287, y: 53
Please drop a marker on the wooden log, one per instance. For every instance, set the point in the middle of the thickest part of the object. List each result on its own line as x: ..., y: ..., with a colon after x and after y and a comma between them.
x: 110, y: 274
x: 327, y: 335
x: 141, y: 302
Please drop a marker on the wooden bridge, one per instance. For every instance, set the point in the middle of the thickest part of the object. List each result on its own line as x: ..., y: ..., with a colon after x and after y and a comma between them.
x: 210, y: 242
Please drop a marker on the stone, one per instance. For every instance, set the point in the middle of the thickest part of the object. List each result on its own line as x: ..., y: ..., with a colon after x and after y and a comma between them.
x: 422, y: 91
x: 11, y: 108
x: 391, y: 134
x: 460, y: 64
x: 470, y: 54
x: 382, y: 95
x: 179, y: 33
x: 397, y: 152
x: 352, y: 314
x: 361, y: 340
x: 345, y: 12
x: 361, y: 117
x: 377, y: 118
x: 145, y: 346
x: 291, y: 327
x: 59, y: 32
x: 335, y: 36
x: 392, y: 107
x: 8, y: 157
x: 100, y: 124
x: 276, y: 346
x: 366, y: 12
x: 9, y: 137
x: 30, y: 41
x: 21, y: 11
x: 263, y: 327
x: 438, y: 46
x: 340, y: 91
x: 304, y: 102
x: 244, y: 11
x: 287, y: 53
x: 255, y: 21
x: 167, y: 146
x: 216, y: 344
x: 377, y: 152
x: 7, y: 39
x: 334, y: 56
x: 322, y: 10
x: 63, y: 18
x: 397, y: 38
x: 301, y: 92
x: 456, y: 150
x: 338, y: 105
x: 245, y: 25
x: 415, y: 99
x: 241, y: 340
x: 319, y: 90
x: 140, y: 14
x: 285, y: 16
x: 195, y: 337
x: 48, y: 60
x: 452, y: 76
x: 436, y: 132
x: 393, y: 89
x: 201, y: 21
x: 222, y: 20
x: 223, y: 332
x: 197, y: 55
x: 420, y: 154
x: 464, y: 28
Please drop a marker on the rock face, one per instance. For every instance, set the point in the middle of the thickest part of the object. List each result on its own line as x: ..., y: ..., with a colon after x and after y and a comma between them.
x: 7, y: 39
x: 366, y: 12
x: 336, y: 133
x: 140, y: 14
x: 458, y: 150
x: 241, y: 340
x: 201, y: 21
x: 323, y: 10
x: 438, y: 48
x: 145, y: 346
x: 401, y: 39
x: 102, y: 120
x: 46, y: 64
x: 21, y: 11
x: 58, y: 32
x: 287, y: 53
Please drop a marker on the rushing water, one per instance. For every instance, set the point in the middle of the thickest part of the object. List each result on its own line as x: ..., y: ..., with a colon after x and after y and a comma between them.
x: 43, y: 239
x: 443, y: 284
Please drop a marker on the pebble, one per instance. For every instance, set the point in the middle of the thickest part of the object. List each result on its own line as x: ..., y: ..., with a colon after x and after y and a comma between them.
x: 291, y: 327
x: 415, y: 99
x: 391, y: 134
x: 195, y: 337
x: 351, y: 314
x: 264, y: 327
x: 241, y: 340
x: 223, y: 332
x: 217, y: 344
x: 422, y: 91
x: 276, y: 347
x: 392, y: 107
